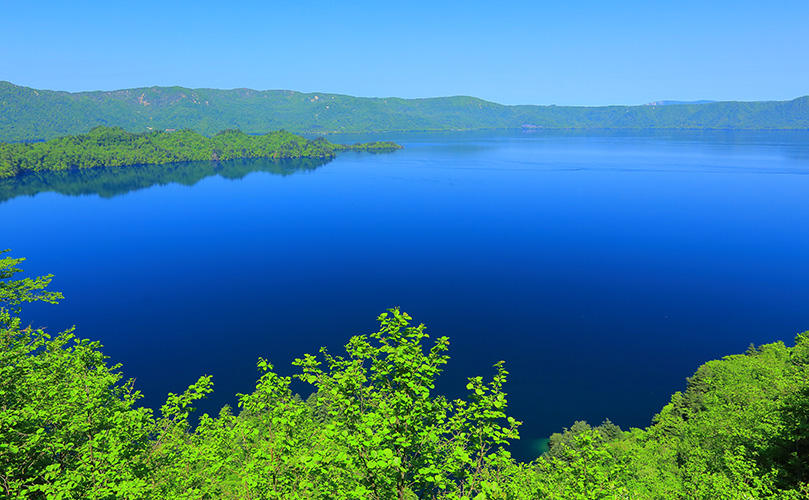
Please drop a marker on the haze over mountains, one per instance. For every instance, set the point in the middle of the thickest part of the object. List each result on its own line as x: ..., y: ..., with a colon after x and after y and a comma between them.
x: 28, y: 114
x: 668, y: 103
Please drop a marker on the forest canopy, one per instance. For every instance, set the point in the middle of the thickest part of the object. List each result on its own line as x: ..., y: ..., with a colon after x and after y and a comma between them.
x: 115, y: 147
x: 373, y: 427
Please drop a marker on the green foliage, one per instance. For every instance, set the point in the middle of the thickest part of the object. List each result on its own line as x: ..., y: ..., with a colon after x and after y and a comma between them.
x: 15, y: 292
x: 560, y: 444
x: 739, y: 431
x: 792, y: 447
x: 374, y: 429
x: 114, y: 147
x: 728, y: 421
x: 397, y: 436
x: 68, y: 425
x: 582, y: 468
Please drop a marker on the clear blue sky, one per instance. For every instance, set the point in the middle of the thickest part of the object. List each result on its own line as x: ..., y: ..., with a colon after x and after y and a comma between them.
x: 512, y: 52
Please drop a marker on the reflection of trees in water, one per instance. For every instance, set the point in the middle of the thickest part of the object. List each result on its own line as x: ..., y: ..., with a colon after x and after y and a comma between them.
x: 113, y: 181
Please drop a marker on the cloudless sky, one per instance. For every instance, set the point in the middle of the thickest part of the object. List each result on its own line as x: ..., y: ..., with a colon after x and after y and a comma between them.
x: 576, y: 52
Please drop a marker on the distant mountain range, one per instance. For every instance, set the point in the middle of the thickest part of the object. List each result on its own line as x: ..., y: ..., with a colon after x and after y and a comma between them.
x: 669, y: 103
x: 28, y: 114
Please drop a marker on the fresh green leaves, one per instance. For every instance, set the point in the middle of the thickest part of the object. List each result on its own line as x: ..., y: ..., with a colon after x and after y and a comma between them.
x: 399, y: 436
x: 373, y: 428
x: 14, y: 292
x: 68, y: 424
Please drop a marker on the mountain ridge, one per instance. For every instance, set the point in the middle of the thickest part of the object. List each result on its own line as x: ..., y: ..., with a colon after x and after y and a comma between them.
x: 28, y: 114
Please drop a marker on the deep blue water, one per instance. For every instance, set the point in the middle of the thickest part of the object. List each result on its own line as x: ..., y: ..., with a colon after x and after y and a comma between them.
x: 603, y: 268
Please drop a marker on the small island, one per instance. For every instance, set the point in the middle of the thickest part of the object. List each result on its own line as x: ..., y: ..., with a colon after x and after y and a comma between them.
x: 115, y: 147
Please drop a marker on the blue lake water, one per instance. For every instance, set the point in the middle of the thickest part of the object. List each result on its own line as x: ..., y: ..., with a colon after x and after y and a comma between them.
x: 604, y: 268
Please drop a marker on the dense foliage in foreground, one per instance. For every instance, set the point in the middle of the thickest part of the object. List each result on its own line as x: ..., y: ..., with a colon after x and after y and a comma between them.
x: 70, y: 428
x: 114, y: 147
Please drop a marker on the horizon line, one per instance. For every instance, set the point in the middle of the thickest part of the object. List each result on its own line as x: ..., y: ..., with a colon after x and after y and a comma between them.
x: 670, y: 102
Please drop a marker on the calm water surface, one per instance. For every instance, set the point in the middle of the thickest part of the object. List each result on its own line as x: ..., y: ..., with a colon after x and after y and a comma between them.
x: 603, y: 268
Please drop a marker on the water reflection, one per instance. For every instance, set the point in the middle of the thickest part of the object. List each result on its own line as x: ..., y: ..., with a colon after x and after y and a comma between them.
x: 115, y: 181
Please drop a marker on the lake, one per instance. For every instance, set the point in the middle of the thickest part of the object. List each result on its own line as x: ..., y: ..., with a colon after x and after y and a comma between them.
x: 604, y: 268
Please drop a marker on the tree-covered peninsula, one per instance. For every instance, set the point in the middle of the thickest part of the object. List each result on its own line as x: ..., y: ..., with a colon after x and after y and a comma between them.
x: 373, y: 428
x: 115, y: 147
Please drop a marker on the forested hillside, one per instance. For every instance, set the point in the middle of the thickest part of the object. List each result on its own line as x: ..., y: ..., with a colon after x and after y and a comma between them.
x: 28, y: 114
x: 373, y: 427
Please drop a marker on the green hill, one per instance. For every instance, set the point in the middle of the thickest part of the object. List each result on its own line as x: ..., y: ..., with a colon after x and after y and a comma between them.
x: 30, y: 114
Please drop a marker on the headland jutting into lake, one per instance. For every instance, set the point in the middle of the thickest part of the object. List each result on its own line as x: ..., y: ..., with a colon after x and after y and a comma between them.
x: 115, y: 147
